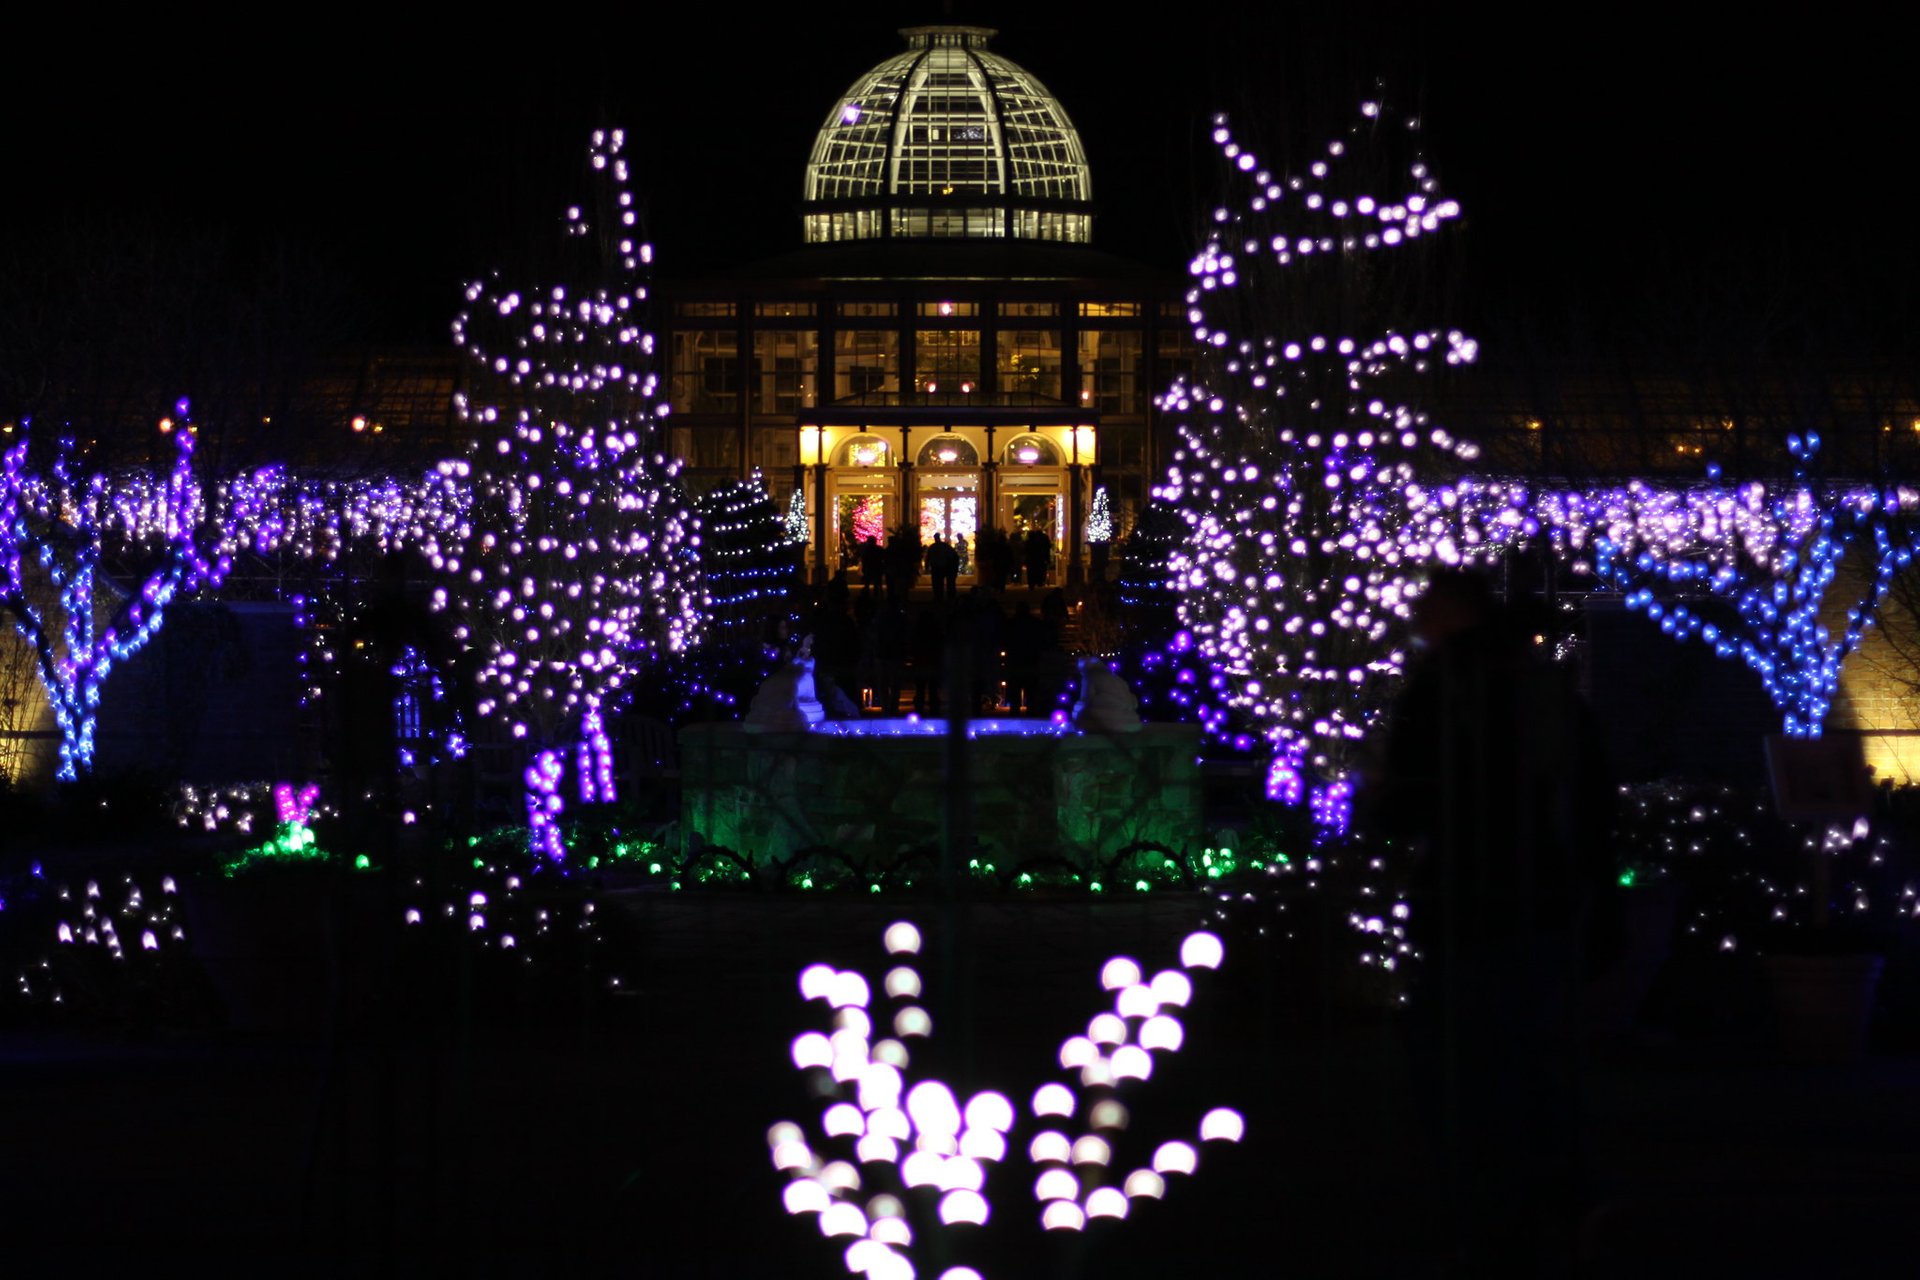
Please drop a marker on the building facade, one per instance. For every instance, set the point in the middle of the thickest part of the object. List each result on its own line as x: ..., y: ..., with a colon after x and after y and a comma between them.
x: 946, y: 350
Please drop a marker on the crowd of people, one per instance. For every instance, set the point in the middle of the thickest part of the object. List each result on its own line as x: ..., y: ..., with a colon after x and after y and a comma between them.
x: 875, y: 646
x: 996, y: 557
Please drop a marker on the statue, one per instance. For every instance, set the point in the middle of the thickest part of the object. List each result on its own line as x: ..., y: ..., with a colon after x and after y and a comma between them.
x: 786, y: 703
x: 1105, y: 704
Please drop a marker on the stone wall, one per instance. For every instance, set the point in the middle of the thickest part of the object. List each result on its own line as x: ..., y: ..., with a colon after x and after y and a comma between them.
x: 1072, y: 796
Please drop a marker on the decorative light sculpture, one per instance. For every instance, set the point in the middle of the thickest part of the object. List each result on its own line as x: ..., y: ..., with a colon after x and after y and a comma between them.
x: 915, y: 1145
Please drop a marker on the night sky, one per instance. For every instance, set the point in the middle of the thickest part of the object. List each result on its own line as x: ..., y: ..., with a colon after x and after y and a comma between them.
x: 1611, y: 160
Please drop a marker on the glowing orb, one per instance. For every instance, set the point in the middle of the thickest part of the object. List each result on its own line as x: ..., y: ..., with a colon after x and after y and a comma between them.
x: 1175, y: 1157
x: 1056, y: 1184
x: 963, y: 1206
x: 1222, y: 1124
x: 1201, y: 951
x: 1091, y: 1149
x: 805, y: 1196
x: 1162, y: 1032
x: 1050, y: 1146
x: 842, y: 1220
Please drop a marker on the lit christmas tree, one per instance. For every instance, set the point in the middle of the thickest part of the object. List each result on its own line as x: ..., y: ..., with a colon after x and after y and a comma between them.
x: 749, y: 564
x: 62, y: 598
x: 577, y: 563
x: 797, y: 521
x: 1303, y: 451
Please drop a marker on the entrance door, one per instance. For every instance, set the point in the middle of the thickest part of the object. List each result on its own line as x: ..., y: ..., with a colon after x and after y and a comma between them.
x: 955, y: 516
x: 857, y: 517
x: 950, y: 506
x: 1046, y: 512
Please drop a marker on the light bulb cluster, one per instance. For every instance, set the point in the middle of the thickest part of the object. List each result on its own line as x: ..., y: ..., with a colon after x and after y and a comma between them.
x: 916, y: 1150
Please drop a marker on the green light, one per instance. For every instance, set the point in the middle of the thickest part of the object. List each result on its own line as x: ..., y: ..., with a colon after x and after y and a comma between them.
x: 1627, y: 878
x: 873, y: 888
x: 1095, y: 886
x: 362, y: 862
x: 1141, y: 885
x: 653, y: 868
x: 806, y: 882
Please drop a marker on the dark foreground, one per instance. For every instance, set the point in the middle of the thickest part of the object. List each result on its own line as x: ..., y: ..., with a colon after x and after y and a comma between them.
x: 447, y: 1133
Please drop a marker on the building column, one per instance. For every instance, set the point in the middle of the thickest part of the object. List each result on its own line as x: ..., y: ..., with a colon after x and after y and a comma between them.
x: 820, y: 522
x: 1073, y: 575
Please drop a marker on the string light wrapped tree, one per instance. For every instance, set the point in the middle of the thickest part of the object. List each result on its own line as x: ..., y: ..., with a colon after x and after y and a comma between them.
x: 749, y: 563
x: 577, y: 564
x: 55, y: 528
x: 1302, y: 450
x: 1771, y: 556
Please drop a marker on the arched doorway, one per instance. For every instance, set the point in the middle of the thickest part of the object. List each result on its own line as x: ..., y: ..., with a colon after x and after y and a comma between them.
x: 947, y: 495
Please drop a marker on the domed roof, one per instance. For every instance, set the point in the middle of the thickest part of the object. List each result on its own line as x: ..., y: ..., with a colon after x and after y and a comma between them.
x: 948, y: 140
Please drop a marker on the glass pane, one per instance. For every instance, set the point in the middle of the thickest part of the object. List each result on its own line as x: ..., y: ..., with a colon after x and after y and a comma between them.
x: 706, y: 371
x: 783, y: 370
x: 1110, y: 370
x: 858, y: 516
x: 946, y: 359
x: 954, y: 516
x: 866, y: 363
x: 1028, y: 363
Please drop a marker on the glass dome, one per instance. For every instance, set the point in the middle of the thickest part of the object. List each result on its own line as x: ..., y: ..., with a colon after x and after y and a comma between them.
x: 948, y: 140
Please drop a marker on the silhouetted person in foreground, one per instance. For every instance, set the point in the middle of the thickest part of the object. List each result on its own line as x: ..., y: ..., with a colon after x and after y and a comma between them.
x: 943, y: 567
x: 1493, y: 774
x: 1038, y: 553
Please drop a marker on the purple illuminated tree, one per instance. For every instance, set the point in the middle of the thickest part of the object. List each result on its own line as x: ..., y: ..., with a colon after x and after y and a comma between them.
x: 577, y: 562
x: 1303, y: 451
x: 77, y: 618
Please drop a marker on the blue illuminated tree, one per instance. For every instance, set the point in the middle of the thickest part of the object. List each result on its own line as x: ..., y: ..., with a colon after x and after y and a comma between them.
x: 75, y: 614
x: 1772, y: 558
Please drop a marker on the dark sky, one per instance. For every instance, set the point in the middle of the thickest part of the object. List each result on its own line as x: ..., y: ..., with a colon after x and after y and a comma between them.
x: 1609, y: 158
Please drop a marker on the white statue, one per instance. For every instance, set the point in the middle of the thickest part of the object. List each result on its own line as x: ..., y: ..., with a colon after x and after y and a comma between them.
x: 786, y: 703
x: 1105, y: 704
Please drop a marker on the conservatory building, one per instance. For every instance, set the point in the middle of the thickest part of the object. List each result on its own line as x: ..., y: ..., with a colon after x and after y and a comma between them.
x: 945, y: 349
